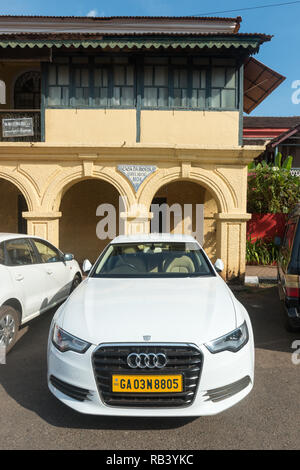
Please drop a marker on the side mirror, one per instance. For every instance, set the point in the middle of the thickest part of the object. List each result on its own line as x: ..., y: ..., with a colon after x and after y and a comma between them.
x: 86, y: 266
x: 219, y: 265
x: 68, y: 257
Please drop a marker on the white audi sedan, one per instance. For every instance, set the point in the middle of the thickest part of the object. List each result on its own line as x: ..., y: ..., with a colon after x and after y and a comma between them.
x: 152, y: 331
x: 34, y: 277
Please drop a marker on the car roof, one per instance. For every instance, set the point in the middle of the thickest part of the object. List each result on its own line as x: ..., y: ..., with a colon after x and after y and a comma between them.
x: 10, y: 236
x: 154, y: 238
x: 13, y: 236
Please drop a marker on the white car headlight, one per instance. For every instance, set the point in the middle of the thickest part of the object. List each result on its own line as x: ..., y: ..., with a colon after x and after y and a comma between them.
x: 64, y: 341
x: 232, y: 341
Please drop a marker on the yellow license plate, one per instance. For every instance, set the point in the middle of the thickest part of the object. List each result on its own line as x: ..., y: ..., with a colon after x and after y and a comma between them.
x: 147, y: 383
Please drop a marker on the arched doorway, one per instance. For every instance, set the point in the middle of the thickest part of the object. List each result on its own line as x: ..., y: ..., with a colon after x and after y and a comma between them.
x: 79, y: 225
x: 191, y: 211
x: 27, y: 91
x: 12, y: 205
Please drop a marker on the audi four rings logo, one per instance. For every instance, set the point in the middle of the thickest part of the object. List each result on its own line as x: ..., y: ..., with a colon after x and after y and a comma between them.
x: 151, y: 360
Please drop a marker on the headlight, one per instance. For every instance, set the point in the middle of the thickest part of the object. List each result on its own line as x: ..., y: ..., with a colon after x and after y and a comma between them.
x: 232, y: 341
x: 63, y: 341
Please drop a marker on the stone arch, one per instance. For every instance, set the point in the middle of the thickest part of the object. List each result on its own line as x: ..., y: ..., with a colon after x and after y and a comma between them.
x: 223, y: 193
x: 23, y: 185
x: 65, y: 180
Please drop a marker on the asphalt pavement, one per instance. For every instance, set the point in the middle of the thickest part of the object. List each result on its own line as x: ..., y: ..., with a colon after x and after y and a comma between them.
x: 269, y: 418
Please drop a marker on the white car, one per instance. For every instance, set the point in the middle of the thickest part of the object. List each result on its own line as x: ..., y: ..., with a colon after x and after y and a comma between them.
x: 34, y: 277
x: 152, y: 331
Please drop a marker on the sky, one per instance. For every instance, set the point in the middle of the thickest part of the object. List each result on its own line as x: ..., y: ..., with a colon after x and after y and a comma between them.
x: 281, y: 54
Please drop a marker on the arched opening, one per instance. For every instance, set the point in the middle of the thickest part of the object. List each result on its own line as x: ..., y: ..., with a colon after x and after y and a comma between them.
x: 81, y: 230
x: 27, y: 92
x: 186, y: 207
x: 12, y: 205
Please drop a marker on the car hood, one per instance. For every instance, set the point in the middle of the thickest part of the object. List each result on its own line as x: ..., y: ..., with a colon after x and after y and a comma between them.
x: 190, y: 310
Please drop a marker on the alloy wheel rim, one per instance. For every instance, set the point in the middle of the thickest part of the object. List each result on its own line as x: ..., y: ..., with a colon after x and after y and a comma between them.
x: 7, y: 329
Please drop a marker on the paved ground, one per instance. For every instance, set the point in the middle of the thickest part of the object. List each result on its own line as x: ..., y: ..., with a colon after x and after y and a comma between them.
x: 262, y: 272
x: 31, y: 418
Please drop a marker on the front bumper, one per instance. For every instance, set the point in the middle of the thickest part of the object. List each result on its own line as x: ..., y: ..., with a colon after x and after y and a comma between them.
x: 222, y: 374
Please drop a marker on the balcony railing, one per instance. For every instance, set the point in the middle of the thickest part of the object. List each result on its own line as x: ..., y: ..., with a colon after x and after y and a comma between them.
x: 17, y: 124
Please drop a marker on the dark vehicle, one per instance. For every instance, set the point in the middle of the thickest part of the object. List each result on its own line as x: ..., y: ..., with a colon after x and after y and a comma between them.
x: 289, y: 270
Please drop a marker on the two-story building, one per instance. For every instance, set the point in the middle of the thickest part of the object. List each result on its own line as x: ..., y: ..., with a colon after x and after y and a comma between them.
x: 149, y: 109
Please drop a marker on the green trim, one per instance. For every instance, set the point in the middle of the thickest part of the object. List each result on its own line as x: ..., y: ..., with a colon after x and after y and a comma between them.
x: 241, y: 103
x: 43, y: 99
x: 144, y: 42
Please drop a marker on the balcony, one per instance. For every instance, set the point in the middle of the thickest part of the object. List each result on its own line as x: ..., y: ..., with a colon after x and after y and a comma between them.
x: 20, y: 125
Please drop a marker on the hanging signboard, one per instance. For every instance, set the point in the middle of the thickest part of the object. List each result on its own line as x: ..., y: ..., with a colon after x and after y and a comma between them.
x: 19, y: 127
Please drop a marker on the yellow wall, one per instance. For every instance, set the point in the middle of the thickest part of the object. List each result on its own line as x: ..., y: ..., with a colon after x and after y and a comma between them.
x: 211, y: 128
x: 101, y: 127
x: 90, y: 126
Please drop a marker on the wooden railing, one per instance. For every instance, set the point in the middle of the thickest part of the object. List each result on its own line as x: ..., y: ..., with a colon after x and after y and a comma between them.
x: 35, y: 114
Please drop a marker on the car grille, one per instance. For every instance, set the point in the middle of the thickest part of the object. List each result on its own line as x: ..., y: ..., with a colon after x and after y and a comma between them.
x: 72, y: 391
x: 182, y: 359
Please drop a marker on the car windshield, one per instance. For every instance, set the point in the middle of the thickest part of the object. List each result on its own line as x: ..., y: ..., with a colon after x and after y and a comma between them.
x: 164, y: 259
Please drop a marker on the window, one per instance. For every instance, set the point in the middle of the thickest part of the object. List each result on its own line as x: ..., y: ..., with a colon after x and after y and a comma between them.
x: 48, y: 253
x: 58, y: 84
x: 27, y: 92
x: 2, y: 259
x: 123, y: 85
x: 152, y: 260
x: 81, y: 86
x: 198, y: 99
x: 163, y: 82
x: 156, y: 86
x: 20, y: 252
x: 223, y: 87
x: 101, y: 88
x: 289, y: 235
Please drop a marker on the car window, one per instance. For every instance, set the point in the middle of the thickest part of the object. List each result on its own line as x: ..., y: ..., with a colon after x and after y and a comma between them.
x: 20, y: 252
x: 2, y: 260
x: 289, y: 235
x: 152, y: 260
x: 47, y: 252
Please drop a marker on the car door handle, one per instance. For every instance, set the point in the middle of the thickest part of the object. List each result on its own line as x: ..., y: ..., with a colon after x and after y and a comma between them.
x: 19, y: 277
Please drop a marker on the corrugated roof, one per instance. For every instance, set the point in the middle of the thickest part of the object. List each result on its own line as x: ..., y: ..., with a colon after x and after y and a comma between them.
x: 175, y: 43
x: 238, y: 19
x: 132, y: 41
x: 259, y: 82
x: 270, y: 122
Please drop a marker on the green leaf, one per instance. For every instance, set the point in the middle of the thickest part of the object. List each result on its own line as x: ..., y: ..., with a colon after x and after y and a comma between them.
x: 278, y: 158
x: 287, y: 164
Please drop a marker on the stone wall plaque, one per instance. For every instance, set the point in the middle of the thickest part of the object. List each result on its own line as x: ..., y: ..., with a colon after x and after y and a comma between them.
x: 136, y: 174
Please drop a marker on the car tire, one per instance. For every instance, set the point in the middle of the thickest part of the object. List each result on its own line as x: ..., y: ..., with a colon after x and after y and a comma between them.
x: 76, y: 281
x: 9, y: 326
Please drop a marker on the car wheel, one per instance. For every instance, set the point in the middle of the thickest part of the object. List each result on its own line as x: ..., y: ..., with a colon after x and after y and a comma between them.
x: 75, y: 283
x: 9, y: 326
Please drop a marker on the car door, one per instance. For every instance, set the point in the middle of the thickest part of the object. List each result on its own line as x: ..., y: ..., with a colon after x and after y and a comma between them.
x: 27, y: 276
x: 57, y: 271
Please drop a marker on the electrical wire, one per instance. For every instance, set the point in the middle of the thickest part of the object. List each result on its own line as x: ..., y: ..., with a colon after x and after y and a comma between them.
x: 247, y: 8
